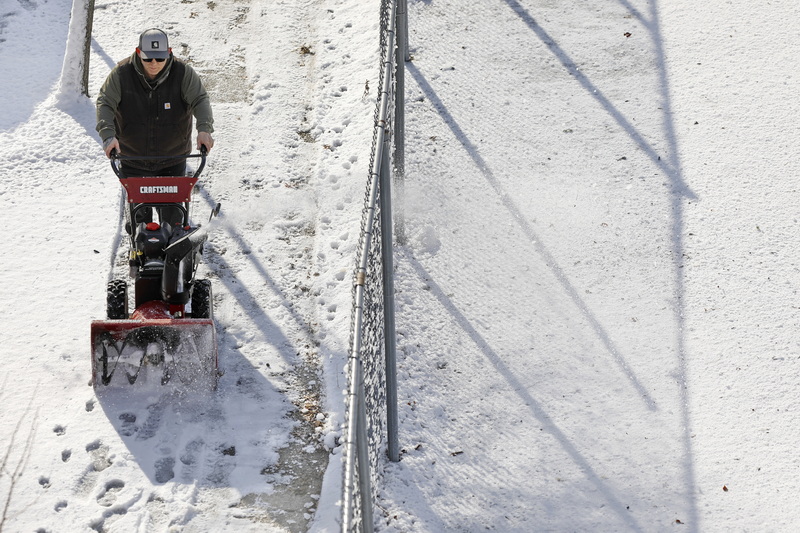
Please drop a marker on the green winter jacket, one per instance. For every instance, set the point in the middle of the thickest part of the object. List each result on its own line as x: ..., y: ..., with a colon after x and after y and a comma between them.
x: 139, y: 93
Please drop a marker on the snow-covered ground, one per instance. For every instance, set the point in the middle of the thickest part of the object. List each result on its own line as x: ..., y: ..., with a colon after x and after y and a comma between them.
x: 597, y: 305
x: 294, y: 127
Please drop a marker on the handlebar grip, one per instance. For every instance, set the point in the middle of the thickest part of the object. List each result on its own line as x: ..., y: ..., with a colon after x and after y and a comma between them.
x: 114, y: 157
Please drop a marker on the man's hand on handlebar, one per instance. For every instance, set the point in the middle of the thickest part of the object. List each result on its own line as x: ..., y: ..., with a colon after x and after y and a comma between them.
x: 110, y: 145
x: 204, y: 139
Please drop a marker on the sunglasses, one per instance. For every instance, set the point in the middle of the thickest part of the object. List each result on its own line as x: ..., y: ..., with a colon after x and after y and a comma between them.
x: 158, y: 60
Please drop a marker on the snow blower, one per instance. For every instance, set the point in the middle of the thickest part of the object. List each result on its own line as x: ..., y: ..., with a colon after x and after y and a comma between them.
x: 170, y: 337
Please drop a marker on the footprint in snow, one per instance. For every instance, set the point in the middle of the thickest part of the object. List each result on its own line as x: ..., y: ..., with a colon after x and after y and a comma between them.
x: 165, y: 469
x: 190, y: 458
x: 128, y: 426
x: 189, y: 455
x: 153, y: 422
x: 99, y: 454
x: 108, y: 495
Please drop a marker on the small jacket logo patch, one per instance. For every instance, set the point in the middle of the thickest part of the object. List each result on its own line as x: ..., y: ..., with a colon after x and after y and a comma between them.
x: 167, y: 106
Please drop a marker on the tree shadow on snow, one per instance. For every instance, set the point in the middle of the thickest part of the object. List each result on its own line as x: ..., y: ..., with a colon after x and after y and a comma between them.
x: 670, y: 165
x: 518, y: 216
x: 244, y: 297
x: 546, y: 422
x: 678, y: 192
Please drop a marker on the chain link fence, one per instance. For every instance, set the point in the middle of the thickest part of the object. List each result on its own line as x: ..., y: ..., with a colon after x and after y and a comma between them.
x: 371, y: 417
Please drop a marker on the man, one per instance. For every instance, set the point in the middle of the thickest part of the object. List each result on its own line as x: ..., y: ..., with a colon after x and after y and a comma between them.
x: 145, y: 108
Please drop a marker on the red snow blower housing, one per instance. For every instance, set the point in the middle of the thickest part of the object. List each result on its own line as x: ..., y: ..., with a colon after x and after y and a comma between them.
x: 170, y: 336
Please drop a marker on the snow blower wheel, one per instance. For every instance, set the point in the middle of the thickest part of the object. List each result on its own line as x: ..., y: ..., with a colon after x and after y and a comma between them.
x: 117, y: 300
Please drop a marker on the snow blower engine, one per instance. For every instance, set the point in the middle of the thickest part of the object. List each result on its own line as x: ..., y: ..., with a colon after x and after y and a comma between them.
x: 170, y: 337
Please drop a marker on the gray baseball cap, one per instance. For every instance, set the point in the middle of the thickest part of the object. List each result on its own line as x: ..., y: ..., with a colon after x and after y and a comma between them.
x: 153, y: 44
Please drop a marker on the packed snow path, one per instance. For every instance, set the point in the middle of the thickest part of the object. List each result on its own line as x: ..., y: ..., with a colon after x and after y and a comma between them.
x: 294, y: 125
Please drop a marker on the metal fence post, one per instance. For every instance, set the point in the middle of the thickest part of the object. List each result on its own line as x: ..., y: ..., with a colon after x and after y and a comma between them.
x: 390, y: 342
x: 401, y: 56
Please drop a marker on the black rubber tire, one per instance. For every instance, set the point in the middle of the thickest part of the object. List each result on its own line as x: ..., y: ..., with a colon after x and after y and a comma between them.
x: 202, y: 299
x: 117, y: 300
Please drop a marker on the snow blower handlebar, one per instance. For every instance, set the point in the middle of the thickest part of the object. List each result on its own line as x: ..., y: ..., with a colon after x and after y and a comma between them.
x: 115, y: 156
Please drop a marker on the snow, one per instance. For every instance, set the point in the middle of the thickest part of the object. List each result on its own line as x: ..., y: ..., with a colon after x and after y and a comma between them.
x: 289, y: 167
x: 597, y: 316
x: 601, y: 218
